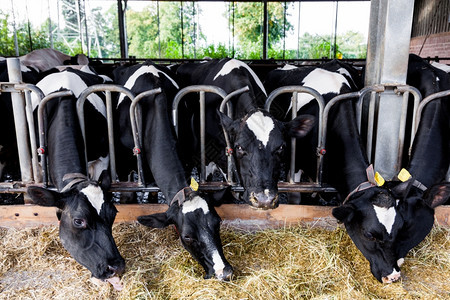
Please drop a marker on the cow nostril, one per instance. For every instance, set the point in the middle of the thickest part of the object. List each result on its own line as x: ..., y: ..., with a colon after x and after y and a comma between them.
x: 391, y: 278
x: 115, y: 270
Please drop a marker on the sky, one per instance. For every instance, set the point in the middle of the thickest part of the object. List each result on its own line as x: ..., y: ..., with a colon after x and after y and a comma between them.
x: 315, y: 17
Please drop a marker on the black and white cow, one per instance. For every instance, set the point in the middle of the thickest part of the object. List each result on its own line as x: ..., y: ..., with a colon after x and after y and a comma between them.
x: 367, y: 210
x: 192, y: 213
x: 258, y: 140
x: 407, y: 220
x: 85, y: 210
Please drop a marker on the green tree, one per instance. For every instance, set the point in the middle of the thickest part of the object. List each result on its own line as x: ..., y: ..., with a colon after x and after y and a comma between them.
x: 248, y: 27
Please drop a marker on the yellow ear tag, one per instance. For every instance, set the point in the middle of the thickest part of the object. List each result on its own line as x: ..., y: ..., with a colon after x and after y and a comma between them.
x: 379, y: 179
x: 404, y: 175
x: 194, y: 184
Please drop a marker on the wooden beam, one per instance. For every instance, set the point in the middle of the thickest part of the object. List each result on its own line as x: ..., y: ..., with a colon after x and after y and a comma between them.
x: 234, y: 215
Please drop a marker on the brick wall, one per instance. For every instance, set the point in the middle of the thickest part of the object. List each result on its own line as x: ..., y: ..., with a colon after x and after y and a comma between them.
x: 435, y: 45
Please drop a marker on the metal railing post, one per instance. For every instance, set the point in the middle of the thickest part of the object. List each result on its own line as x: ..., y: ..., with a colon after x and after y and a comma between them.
x: 295, y: 89
x: 107, y: 88
x: 202, y: 89
x: 20, y: 123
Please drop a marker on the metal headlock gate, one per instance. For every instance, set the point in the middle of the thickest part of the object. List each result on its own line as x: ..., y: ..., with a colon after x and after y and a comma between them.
x: 225, y: 107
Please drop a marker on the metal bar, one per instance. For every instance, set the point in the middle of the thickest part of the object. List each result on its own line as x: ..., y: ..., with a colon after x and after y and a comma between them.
x: 136, y: 132
x: 202, y: 137
x: 37, y: 175
x: 43, y: 131
x: 80, y: 111
x: 110, y: 124
x: 32, y: 133
x: 265, y: 29
x: 231, y: 166
x: 406, y: 90
x: 298, y: 187
x: 321, y: 104
x: 122, y: 29
x: 20, y: 123
x: 423, y: 103
x: 293, y: 140
x: 192, y: 89
x: 370, y: 116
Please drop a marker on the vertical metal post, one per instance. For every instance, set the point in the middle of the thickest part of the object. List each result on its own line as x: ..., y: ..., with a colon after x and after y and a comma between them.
x: 202, y: 137
x: 37, y: 176
x: 109, y: 120
x: 293, y: 140
x: 20, y: 121
x: 387, y: 63
x: 122, y: 30
x: 265, y: 30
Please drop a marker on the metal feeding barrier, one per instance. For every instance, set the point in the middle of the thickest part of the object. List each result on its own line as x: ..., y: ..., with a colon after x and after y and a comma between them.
x: 372, y: 116
x: 225, y: 107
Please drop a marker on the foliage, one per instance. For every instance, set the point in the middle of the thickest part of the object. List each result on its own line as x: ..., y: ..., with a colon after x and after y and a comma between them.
x: 173, y: 39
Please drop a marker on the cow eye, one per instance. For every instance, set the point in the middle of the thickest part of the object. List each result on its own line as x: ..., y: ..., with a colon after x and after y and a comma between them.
x: 280, y: 150
x: 187, y: 239
x: 79, y: 223
x: 369, y: 236
x: 239, y: 151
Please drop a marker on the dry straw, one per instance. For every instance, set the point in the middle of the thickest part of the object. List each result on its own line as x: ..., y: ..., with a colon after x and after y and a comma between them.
x: 288, y: 263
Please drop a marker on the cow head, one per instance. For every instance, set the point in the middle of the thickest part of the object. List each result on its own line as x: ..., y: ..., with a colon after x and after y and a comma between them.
x: 86, y: 215
x: 259, y: 142
x: 198, y: 225
x: 385, y: 225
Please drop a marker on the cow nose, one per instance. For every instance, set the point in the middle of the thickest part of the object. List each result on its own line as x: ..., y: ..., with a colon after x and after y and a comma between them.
x: 116, y: 269
x: 226, y: 274
x: 264, y: 200
x: 393, y: 277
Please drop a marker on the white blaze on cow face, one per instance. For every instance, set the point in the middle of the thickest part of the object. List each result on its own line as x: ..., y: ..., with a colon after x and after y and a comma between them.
x: 95, y: 196
x: 218, y: 263
x: 261, y: 126
x: 71, y: 81
x: 236, y: 64
x: 315, y: 79
x: 141, y: 71
x: 194, y: 204
x: 386, y: 216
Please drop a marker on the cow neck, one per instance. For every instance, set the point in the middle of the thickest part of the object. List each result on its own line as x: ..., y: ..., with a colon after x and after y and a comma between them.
x: 181, y: 196
x: 73, y: 178
x: 345, y: 158
x: 370, y: 183
x: 430, y: 153
x: 64, y: 143
x: 243, y: 106
x: 162, y: 157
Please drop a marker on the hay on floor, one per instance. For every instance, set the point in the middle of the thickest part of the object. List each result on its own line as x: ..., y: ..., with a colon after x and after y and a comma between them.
x: 289, y: 263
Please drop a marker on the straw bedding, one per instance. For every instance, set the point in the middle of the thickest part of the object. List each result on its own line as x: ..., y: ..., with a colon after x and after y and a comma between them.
x: 288, y: 263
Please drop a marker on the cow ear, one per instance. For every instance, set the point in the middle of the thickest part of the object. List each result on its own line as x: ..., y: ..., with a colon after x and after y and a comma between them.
x: 228, y: 124
x: 413, y: 232
x: 343, y: 214
x: 160, y: 220
x: 300, y: 126
x: 104, y: 180
x: 225, y: 120
x: 44, y: 197
x: 437, y: 195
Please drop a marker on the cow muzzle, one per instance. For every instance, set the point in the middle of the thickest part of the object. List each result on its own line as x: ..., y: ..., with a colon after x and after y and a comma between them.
x: 264, y: 200
x: 393, y: 277
x: 225, y: 274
